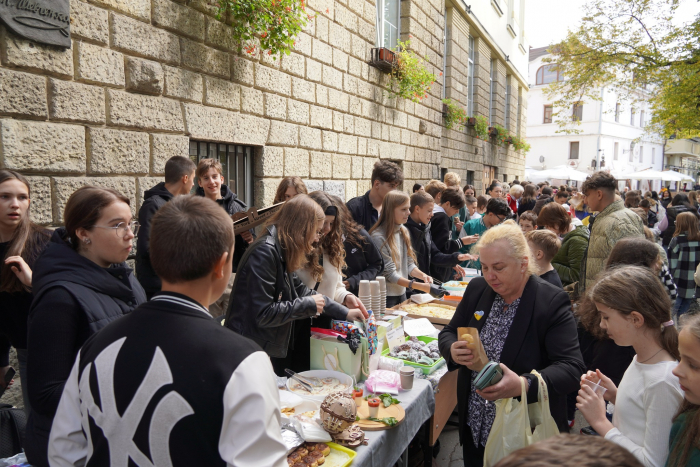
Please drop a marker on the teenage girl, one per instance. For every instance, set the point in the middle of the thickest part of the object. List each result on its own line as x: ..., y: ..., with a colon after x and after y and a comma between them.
x: 683, y: 255
x: 288, y: 188
x: 394, y: 243
x: 636, y: 311
x: 685, y: 432
x: 21, y: 243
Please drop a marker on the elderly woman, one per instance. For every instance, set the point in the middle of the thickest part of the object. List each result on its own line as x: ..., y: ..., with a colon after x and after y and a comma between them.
x: 574, y: 241
x: 525, y: 324
x: 513, y: 198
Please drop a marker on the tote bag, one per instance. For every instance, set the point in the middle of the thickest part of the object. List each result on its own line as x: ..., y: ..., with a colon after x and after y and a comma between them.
x: 518, y: 425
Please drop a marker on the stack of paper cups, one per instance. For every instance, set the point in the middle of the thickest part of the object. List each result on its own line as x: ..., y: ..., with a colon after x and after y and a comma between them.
x: 365, y: 294
x: 382, y: 294
x: 376, y: 295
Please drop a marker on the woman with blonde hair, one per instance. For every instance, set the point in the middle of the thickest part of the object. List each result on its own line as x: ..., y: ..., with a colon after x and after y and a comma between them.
x: 269, y: 303
x: 394, y: 243
x: 683, y: 255
x: 288, y: 188
x: 525, y: 323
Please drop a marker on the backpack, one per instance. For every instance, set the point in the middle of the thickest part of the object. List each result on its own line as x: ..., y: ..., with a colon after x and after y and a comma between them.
x: 12, y: 425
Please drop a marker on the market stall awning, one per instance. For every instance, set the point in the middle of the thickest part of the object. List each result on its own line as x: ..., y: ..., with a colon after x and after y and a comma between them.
x: 563, y: 172
x: 665, y: 175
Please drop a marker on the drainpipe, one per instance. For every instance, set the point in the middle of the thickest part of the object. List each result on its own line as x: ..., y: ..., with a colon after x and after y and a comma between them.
x: 600, y: 128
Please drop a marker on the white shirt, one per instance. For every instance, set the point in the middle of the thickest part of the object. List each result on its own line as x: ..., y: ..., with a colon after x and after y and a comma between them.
x: 646, y: 402
x: 331, y: 283
x: 476, y: 215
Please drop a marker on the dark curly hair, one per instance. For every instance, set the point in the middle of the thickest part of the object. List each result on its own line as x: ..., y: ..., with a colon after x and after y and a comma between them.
x: 332, y: 243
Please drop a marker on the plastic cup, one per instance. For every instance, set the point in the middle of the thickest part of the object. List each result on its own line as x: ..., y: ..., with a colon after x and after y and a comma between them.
x: 597, y: 388
x: 364, y: 290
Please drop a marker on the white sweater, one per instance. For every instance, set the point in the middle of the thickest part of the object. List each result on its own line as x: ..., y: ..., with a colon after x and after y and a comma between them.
x: 647, y: 400
x: 331, y: 283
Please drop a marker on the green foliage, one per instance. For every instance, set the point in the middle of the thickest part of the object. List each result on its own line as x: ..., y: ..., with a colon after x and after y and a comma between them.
x: 264, y: 25
x: 410, y: 78
x: 455, y: 114
x: 627, y: 46
x: 387, y: 400
x: 502, y: 134
x: 482, y: 127
x: 519, y: 144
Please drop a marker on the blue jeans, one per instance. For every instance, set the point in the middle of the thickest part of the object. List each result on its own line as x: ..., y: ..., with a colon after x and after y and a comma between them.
x: 681, y: 306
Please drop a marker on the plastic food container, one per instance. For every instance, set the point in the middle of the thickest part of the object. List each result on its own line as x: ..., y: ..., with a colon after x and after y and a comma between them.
x: 424, y: 368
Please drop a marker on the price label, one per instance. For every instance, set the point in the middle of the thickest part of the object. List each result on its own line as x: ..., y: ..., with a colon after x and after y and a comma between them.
x: 395, y: 337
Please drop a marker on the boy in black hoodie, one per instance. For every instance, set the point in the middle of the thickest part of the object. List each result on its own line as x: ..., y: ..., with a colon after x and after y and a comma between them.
x: 152, y: 388
x: 418, y: 226
x: 179, y: 180
x: 211, y: 185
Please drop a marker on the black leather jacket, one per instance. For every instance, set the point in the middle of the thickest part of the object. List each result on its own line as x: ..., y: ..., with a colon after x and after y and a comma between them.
x: 266, y: 299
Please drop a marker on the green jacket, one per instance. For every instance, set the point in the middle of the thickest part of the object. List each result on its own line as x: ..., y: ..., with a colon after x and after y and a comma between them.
x: 567, y: 262
x: 609, y: 226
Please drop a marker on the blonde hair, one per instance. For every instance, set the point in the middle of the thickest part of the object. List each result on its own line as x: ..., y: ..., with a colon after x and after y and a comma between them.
x: 452, y: 179
x: 545, y: 240
x: 435, y: 188
x: 516, y: 190
x: 387, y: 223
x: 511, y: 233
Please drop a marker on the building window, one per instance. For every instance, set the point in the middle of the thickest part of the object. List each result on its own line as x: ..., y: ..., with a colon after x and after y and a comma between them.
x: 616, y: 151
x: 641, y: 154
x: 573, y: 150
x: 236, y: 162
x: 492, y: 91
x: 470, y: 177
x: 641, y: 118
x: 631, y: 154
x: 507, y: 104
x: 470, y: 78
x: 632, y: 117
x: 547, y: 114
x: 389, y: 17
x: 548, y: 74
x: 577, y: 112
x: 653, y: 155
x: 505, y: 178
x: 617, y: 112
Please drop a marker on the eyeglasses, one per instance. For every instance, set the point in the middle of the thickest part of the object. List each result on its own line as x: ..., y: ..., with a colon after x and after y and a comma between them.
x: 500, y: 219
x: 122, y: 228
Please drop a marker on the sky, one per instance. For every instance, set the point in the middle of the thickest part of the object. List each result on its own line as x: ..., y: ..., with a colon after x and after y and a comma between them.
x: 547, y: 21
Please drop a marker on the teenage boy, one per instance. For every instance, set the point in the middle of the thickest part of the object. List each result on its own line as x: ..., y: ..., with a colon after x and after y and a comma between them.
x: 544, y: 246
x: 154, y: 388
x: 497, y: 211
x: 211, y: 185
x: 179, y: 180
x: 365, y: 209
x: 418, y: 226
x: 451, y: 202
x: 435, y: 189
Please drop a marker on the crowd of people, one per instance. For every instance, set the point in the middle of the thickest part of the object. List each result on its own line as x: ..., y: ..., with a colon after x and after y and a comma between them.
x: 585, y: 286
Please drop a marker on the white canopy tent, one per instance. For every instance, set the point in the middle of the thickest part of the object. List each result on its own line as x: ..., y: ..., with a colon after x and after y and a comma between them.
x: 563, y: 172
x: 665, y: 175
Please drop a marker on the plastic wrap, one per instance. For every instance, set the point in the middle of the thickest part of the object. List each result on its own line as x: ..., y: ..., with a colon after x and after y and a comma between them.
x: 383, y: 381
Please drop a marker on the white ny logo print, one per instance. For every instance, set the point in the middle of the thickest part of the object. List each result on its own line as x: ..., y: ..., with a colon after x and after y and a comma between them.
x: 119, y: 431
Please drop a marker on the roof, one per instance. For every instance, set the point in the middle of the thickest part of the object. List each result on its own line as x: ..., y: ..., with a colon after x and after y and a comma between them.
x: 536, y: 53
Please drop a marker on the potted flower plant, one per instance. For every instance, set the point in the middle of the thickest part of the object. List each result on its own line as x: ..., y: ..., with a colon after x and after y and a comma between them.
x: 519, y: 144
x: 481, y: 125
x: 500, y: 134
x: 454, y: 114
x: 409, y: 77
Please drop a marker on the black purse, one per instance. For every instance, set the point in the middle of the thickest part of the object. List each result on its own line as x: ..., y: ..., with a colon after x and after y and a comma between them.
x: 13, y: 422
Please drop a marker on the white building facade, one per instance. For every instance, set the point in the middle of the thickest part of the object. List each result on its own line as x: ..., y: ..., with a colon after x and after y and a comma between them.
x: 611, y: 133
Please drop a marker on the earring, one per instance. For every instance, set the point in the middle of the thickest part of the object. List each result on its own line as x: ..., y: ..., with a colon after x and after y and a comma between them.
x: 87, y: 241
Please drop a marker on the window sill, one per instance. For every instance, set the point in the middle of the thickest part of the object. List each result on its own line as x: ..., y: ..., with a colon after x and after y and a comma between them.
x: 496, y: 4
x: 522, y: 48
x: 512, y: 31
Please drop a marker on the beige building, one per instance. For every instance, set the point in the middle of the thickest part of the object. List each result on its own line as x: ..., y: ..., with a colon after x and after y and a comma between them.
x: 145, y: 80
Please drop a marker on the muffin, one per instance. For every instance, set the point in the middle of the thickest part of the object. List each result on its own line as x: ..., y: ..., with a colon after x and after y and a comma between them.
x: 309, y: 461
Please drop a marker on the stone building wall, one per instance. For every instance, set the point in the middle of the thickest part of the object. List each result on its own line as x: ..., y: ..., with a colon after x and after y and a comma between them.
x: 144, y: 77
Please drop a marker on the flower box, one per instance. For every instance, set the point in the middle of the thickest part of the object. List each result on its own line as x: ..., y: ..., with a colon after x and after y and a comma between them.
x: 493, y: 132
x: 383, y: 59
x: 471, y: 122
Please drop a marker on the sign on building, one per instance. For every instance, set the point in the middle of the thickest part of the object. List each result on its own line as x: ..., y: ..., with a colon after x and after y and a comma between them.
x: 44, y: 21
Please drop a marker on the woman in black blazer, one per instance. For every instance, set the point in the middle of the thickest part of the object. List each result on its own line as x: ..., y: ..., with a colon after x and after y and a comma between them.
x: 524, y: 323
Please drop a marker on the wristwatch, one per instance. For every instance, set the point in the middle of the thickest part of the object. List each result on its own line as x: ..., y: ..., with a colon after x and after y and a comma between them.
x: 410, y: 284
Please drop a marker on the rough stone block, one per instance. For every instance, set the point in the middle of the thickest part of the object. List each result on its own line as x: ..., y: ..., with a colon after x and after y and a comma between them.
x: 272, y: 80
x: 143, y: 184
x: 338, y: 100
x: 322, y: 52
x: 163, y: 147
x: 252, y: 130
x: 296, y: 162
x: 136, y: 8
x: 265, y: 190
x: 252, y: 101
x: 294, y: 64
x: 357, y: 167
x: 205, y: 59
x: 321, y: 95
x: 144, y: 76
x: 347, y: 144
x: 270, y: 163
x: 183, y: 84
x: 42, y: 147
x: 286, y: 134
x: 218, y: 35
x: 76, y: 102
x: 243, y: 71
x: 145, y: 112
x: 314, y: 70
x: 143, y: 39
x: 341, y: 166
x: 99, y: 65
x: 303, y: 44
x: 275, y: 106
x: 330, y: 141
x: 89, y: 22
x: 22, y: 94
x: 298, y: 112
x: 350, y: 190
x: 313, y: 185
x: 180, y: 19
x: 213, y: 124
x: 221, y: 93
x: 321, y: 165
x: 65, y: 186
x: 118, y: 152
x: 32, y: 56
x: 42, y: 208
x: 321, y: 118
x: 310, y: 138
x: 334, y: 188
x: 332, y: 77
x: 303, y: 90
x: 369, y: 166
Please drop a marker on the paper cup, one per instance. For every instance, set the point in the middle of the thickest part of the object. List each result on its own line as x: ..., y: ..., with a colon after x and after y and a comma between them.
x: 407, y: 374
x: 382, y: 283
x: 364, y: 289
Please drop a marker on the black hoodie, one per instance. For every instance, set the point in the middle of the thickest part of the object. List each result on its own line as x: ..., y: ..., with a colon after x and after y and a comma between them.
x: 425, y: 249
x: 361, y: 263
x: 73, y: 299
x: 153, y: 200
x: 231, y: 204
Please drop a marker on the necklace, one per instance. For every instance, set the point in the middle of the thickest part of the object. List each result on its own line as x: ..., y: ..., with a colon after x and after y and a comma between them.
x: 651, y: 356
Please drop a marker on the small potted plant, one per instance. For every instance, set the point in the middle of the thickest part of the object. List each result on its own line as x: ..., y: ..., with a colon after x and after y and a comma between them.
x: 410, y: 77
x: 454, y: 114
x: 481, y: 125
x: 471, y: 122
x: 493, y: 131
x: 382, y: 58
x: 508, y: 140
x: 519, y: 144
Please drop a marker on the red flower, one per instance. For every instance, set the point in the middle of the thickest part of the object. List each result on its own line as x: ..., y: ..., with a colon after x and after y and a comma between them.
x: 441, y: 73
x: 327, y: 11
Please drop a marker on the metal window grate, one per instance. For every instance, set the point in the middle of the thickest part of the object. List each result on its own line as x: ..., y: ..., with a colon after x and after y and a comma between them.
x: 236, y: 162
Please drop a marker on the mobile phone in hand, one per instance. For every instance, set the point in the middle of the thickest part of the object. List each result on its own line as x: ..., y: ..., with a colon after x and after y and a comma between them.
x: 8, y: 379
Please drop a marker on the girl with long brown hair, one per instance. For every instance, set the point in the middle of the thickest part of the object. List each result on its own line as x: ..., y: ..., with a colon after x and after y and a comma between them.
x: 394, y: 243
x: 685, y: 432
x: 269, y: 302
x: 363, y: 262
x: 635, y: 311
x: 21, y: 243
x: 288, y: 188
x: 683, y: 256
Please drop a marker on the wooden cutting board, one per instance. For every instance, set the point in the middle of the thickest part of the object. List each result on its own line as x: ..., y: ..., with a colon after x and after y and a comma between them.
x: 394, y: 410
